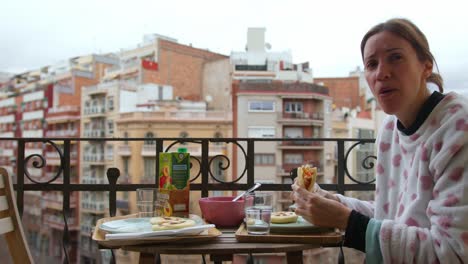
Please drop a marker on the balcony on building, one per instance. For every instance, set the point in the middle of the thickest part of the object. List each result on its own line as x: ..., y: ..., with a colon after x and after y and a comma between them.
x: 59, y: 180
x: 62, y: 133
x: 175, y: 116
x: 301, y: 144
x: 94, y: 133
x: 34, y: 150
x: 53, y: 158
x: 54, y: 200
x: 93, y: 157
x: 124, y: 150
x: 88, y: 179
x: 97, y: 110
x: 149, y: 150
x: 95, y: 90
x: 94, y: 206
x: 57, y: 222
x: 126, y: 67
x: 6, y: 152
x: 7, y: 109
x: 301, y: 118
x: 63, y: 114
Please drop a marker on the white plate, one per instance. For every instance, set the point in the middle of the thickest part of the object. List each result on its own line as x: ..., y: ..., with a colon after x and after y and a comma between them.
x: 132, y: 228
x: 133, y: 225
x: 128, y: 225
x: 188, y: 231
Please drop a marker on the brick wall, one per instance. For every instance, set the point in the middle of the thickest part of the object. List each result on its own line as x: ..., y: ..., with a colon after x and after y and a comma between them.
x: 343, y: 90
x: 182, y: 67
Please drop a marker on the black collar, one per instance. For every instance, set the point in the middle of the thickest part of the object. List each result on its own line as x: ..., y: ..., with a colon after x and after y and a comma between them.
x: 426, y: 109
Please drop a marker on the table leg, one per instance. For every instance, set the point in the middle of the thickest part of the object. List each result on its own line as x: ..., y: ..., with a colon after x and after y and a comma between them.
x: 294, y: 257
x: 146, y: 258
x: 218, y: 259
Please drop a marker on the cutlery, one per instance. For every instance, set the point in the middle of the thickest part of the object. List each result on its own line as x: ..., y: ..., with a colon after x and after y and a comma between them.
x: 248, y: 191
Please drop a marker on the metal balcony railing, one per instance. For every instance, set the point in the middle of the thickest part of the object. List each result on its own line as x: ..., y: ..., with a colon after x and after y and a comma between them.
x: 204, y: 180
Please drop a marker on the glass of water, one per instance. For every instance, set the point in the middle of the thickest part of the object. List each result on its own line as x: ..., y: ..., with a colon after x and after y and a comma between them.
x: 147, y: 202
x: 257, y: 220
x: 258, y: 200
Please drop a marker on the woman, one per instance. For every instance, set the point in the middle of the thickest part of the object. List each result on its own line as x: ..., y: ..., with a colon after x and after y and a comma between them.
x: 420, y: 214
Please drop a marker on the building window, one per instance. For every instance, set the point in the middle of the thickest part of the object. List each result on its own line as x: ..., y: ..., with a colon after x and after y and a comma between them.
x: 110, y: 152
x: 110, y: 103
x: 261, y: 132
x: 292, y: 158
x: 261, y: 106
x: 293, y: 132
x: 149, y: 169
x: 264, y: 159
x: 110, y: 126
x: 316, y: 132
x: 125, y: 165
x: 150, y: 136
x: 125, y: 135
x: 294, y: 107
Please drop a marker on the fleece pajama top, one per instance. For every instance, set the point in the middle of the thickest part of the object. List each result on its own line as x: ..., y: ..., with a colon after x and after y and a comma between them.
x: 420, y: 214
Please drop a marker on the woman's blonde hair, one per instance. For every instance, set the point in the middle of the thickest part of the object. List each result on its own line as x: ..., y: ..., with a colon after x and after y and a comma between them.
x: 411, y: 33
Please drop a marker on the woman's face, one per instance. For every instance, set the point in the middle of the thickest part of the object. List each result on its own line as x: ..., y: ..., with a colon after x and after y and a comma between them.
x: 396, y: 76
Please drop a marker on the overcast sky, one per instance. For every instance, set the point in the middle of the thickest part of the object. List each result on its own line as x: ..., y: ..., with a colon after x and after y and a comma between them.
x: 327, y: 33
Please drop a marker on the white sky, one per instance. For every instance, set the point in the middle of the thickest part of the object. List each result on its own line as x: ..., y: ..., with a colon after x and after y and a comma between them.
x: 327, y: 33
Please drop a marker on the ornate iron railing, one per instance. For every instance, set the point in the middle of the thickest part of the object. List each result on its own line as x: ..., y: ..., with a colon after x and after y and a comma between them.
x: 244, y: 146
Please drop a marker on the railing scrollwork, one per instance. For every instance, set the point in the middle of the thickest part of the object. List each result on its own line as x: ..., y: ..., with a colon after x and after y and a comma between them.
x: 42, y: 163
x: 206, y: 164
x: 366, y: 163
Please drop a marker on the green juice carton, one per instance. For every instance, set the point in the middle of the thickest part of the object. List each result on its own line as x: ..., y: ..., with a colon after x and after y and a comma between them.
x: 174, y: 182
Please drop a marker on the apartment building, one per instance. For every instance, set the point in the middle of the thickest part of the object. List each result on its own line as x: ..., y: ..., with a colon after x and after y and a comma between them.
x: 275, y: 98
x: 159, y: 89
x: 45, y: 103
x: 283, y: 110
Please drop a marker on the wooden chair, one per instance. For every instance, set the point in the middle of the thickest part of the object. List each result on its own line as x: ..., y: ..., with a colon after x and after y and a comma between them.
x: 10, y: 223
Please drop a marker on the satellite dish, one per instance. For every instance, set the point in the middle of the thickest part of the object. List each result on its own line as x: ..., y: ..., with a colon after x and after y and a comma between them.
x: 208, y: 98
x: 268, y: 46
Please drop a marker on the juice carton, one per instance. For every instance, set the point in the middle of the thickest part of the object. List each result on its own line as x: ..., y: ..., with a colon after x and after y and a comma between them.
x: 174, y: 184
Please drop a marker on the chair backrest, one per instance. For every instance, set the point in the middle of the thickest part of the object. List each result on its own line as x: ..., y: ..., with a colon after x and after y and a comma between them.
x: 10, y: 223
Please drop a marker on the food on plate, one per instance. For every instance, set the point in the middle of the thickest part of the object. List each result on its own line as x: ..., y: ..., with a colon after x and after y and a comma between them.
x: 169, y: 223
x: 283, y: 217
x: 306, y: 177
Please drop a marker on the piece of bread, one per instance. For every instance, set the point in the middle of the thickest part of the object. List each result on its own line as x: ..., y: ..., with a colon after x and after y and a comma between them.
x: 283, y: 217
x: 169, y: 223
x: 306, y: 177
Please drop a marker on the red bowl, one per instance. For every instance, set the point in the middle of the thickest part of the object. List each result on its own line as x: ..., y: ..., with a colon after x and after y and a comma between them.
x: 222, y: 211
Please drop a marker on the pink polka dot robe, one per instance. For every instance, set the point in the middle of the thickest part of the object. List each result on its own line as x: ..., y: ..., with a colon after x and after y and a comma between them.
x: 422, y: 188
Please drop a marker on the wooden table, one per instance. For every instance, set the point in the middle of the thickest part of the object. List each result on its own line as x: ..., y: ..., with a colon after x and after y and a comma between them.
x: 222, y: 248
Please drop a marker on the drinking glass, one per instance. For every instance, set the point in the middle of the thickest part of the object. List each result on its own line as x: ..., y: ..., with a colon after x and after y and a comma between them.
x: 147, y: 202
x: 263, y: 200
x: 258, y: 220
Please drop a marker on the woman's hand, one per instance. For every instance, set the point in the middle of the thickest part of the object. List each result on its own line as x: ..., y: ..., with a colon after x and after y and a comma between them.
x: 320, y: 210
x: 318, y: 191
x: 324, y: 193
